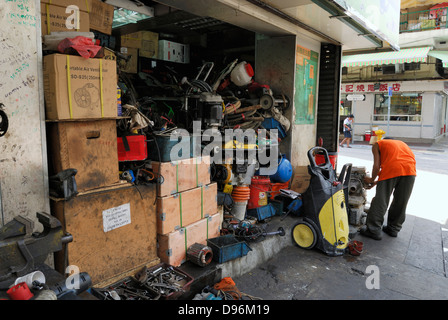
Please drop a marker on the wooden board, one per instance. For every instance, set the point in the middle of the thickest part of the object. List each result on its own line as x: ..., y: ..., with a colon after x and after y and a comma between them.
x: 88, y: 146
x: 182, y: 175
x: 107, y: 253
x: 172, y: 247
x: 187, y: 207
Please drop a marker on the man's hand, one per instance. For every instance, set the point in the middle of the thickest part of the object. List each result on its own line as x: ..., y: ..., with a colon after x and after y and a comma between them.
x: 369, y: 183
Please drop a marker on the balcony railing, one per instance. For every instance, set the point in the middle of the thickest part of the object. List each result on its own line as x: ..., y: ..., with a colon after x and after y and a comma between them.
x: 431, y: 19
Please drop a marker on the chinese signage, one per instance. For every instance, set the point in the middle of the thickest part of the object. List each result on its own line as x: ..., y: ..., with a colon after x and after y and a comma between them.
x: 370, y: 87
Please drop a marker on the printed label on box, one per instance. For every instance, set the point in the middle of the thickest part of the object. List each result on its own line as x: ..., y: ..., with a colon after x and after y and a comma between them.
x: 114, y: 218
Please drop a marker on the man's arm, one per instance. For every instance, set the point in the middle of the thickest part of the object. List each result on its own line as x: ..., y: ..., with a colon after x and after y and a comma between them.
x: 376, y: 166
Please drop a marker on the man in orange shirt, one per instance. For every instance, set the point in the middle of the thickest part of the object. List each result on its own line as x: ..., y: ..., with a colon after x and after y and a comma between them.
x: 394, y: 165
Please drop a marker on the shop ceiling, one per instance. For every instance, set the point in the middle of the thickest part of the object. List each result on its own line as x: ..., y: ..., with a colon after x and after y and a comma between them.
x: 320, y: 20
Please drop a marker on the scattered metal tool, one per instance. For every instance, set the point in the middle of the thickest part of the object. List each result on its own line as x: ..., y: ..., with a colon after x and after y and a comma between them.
x: 166, y: 280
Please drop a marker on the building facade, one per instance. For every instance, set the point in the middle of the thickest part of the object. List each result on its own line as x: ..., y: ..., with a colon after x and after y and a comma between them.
x: 402, y: 92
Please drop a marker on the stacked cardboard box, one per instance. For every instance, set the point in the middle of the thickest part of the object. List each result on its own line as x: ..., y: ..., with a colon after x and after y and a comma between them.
x: 187, y: 209
x: 76, y: 15
x: 113, y: 224
x: 113, y: 229
x: 146, y: 42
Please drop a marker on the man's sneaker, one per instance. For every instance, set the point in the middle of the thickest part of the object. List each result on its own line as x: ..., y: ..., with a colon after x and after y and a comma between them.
x: 366, y: 232
x: 389, y: 231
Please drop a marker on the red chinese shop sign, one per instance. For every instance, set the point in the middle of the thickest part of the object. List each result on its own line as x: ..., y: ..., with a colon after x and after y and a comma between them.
x: 370, y: 87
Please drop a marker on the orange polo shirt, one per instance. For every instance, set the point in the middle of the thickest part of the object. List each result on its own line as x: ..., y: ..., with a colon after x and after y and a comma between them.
x: 397, y: 159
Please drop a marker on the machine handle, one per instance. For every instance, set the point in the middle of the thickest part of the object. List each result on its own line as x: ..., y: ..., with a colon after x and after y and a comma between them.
x: 344, y: 176
x: 313, y: 164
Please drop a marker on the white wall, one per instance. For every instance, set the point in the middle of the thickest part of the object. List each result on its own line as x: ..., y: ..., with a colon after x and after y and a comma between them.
x: 275, y: 65
x: 23, y: 169
x: 429, y: 102
x: 439, y: 114
x: 363, y: 110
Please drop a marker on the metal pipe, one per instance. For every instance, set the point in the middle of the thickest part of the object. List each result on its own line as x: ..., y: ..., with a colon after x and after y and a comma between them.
x: 288, y: 18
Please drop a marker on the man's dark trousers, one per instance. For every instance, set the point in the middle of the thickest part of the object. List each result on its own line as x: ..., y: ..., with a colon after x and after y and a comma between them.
x: 401, y: 187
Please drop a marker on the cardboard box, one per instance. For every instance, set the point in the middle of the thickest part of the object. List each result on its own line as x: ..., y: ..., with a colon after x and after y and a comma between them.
x: 114, y: 231
x: 184, y: 208
x: 101, y: 16
x: 182, y: 175
x: 174, y: 52
x: 146, y: 41
x: 131, y: 66
x: 92, y: 84
x: 83, y: 5
x: 172, y: 247
x: 58, y: 19
x: 88, y: 146
x: 301, y: 179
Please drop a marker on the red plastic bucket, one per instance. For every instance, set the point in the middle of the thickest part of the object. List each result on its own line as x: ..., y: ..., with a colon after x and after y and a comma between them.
x: 259, y: 190
x: 320, y: 159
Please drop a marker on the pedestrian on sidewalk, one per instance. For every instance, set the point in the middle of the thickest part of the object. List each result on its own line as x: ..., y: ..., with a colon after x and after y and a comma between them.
x: 348, y: 123
x: 394, y: 165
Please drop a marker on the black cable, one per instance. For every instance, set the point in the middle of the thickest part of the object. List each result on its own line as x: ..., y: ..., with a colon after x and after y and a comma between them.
x: 160, y: 164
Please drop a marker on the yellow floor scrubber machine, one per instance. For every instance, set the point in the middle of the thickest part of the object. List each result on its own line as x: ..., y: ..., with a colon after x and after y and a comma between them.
x: 323, y: 222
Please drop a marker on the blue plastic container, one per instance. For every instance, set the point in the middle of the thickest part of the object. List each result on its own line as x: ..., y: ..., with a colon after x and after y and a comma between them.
x: 226, y: 248
x: 271, y: 123
x: 284, y: 171
x: 262, y: 213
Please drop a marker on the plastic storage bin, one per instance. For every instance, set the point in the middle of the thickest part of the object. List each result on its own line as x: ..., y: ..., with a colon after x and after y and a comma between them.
x: 132, y: 148
x: 226, y: 248
x: 262, y: 213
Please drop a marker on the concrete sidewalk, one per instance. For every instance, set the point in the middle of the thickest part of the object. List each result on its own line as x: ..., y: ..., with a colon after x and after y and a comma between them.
x: 408, y: 267
x: 412, y: 266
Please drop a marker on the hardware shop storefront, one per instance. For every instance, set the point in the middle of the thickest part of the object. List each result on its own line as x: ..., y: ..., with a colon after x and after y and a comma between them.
x: 417, y: 108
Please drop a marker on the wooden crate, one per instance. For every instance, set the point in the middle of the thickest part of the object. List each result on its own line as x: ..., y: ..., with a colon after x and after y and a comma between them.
x: 187, y: 207
x: 88, y: 146
x: 172, y: 247
x: 182, y: 175
x: 114, y: 231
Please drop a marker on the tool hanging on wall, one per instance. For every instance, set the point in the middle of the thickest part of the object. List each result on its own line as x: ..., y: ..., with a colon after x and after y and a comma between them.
x: 4, y: 123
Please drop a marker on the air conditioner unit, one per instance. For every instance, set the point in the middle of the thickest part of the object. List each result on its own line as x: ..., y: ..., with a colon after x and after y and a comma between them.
x: 441, y: 44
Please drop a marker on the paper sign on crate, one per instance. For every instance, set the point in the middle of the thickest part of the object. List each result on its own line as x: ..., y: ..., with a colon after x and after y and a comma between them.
x: 114, y: 218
